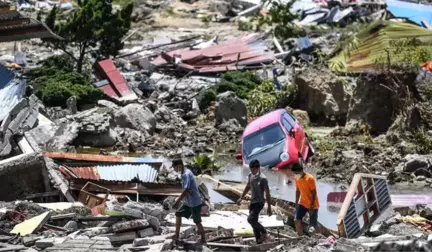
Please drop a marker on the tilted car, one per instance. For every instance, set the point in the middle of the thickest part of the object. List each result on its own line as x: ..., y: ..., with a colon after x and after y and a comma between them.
x: 276, y: 139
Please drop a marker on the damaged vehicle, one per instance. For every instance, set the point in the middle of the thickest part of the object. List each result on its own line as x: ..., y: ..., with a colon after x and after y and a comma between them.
x: 276, y: 139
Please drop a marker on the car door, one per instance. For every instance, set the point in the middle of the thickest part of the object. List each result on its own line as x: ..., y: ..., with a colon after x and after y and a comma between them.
x: 299, y: 134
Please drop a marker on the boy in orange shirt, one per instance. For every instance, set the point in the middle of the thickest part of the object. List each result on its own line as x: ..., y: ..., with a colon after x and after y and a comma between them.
x: 306, y: 198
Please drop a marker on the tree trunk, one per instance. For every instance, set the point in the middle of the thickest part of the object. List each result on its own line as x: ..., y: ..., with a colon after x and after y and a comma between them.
x: 80, y: 61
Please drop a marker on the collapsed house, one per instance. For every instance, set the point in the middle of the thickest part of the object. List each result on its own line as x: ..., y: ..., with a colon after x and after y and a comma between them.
x: 21, y: 165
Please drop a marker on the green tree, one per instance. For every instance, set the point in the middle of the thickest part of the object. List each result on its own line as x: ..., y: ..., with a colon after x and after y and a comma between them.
x: 93, y: 28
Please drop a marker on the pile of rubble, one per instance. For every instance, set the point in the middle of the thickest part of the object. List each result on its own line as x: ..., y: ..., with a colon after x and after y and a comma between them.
x: 124, y: 225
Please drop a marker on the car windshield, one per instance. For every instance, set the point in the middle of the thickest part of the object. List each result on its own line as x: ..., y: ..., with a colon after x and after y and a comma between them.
x: 263, y: 139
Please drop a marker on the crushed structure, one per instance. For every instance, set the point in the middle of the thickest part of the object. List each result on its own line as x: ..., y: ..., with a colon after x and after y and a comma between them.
x: 227, y: 55
x: 15, y: 27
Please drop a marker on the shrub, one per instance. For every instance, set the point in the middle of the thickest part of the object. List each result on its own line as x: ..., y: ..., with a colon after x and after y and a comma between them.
x: 56, y: 93
x: 423, y: 143
x: 244, y: 26
x: 205, y: 98
x: 239, y: 82
x: 55, y: 82
x: 266, y: 98
x: 202, y: 163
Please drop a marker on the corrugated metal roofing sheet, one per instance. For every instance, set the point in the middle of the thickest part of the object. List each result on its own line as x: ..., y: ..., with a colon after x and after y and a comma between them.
x: 243, y: 51
x: 118, y: 86
x: 119, y: 172
x: 10, y: 93
x: 6, y: 76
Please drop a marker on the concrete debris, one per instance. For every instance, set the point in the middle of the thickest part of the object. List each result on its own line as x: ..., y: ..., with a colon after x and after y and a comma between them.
x: 167, y: 94
x: 130, y: 225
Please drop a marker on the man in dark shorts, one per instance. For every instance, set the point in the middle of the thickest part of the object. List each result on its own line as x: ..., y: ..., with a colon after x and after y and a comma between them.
x: 306, y: 198
x: 191, y: 206
x: 258, y: 183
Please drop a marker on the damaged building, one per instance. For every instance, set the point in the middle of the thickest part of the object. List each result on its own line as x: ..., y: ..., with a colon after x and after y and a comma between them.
x: 21, y: 165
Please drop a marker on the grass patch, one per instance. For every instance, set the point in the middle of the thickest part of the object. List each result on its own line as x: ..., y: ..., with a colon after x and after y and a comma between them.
x: 328, y: 144
x: 422, y: 142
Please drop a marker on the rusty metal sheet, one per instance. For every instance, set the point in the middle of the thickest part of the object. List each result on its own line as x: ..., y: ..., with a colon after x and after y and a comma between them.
x: 83, y: 157
x: 89, y: 172
x: 247, y: 50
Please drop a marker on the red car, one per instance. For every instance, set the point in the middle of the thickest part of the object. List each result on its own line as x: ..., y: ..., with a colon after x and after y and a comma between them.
x: 276, y: 140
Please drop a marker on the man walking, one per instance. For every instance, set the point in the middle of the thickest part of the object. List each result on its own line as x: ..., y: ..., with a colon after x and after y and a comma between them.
x: 306, y: 198
x: 192, y: 200
x: 258, y: 183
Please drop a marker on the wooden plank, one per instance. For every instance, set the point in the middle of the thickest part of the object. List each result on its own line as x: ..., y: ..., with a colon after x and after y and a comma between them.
x: 56, y: 228
x: 355, y: 186
x: 102, y: 218
x: 15, y: 22
x: 55, y: 175
x: 45, y: 194
x: 63, y: 216
x: 227, y: 245
x: 31, y: 225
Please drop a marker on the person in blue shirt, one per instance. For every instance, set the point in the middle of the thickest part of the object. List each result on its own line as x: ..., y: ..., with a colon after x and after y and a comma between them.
x: 192, y: 200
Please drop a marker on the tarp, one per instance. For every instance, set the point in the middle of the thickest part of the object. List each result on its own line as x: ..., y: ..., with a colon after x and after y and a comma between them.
x: 413, y: 11
x: 372, y: 43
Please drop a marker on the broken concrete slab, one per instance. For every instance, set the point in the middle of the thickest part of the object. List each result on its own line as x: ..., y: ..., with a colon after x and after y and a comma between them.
x: 146, y: 232
x: 119, y: 238
x: 49, y: 242
x: 153, y: 240
x: 185, y: 232
x: 31, y: 225
x: 59, y: 206
x: 166, y: 245
x: 94, y: 231
x: 83, y: 245
x: 115, y: 210
x: 229, y: 220
x: 138, y: 242
x: 155, y: 210
x: 130, y: 225
x: 153, y: 221
x: 30, y: 240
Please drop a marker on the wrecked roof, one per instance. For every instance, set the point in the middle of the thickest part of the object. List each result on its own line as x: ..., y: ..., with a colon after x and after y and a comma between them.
x: 114, y: 84
x: 15, y: 27
x: 117, y: 172
x: 370, y: 45
x: 225, y: 56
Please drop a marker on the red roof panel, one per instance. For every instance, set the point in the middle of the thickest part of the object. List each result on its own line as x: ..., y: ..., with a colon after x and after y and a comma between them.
x: 246, y: 50
x: 118, y: 86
